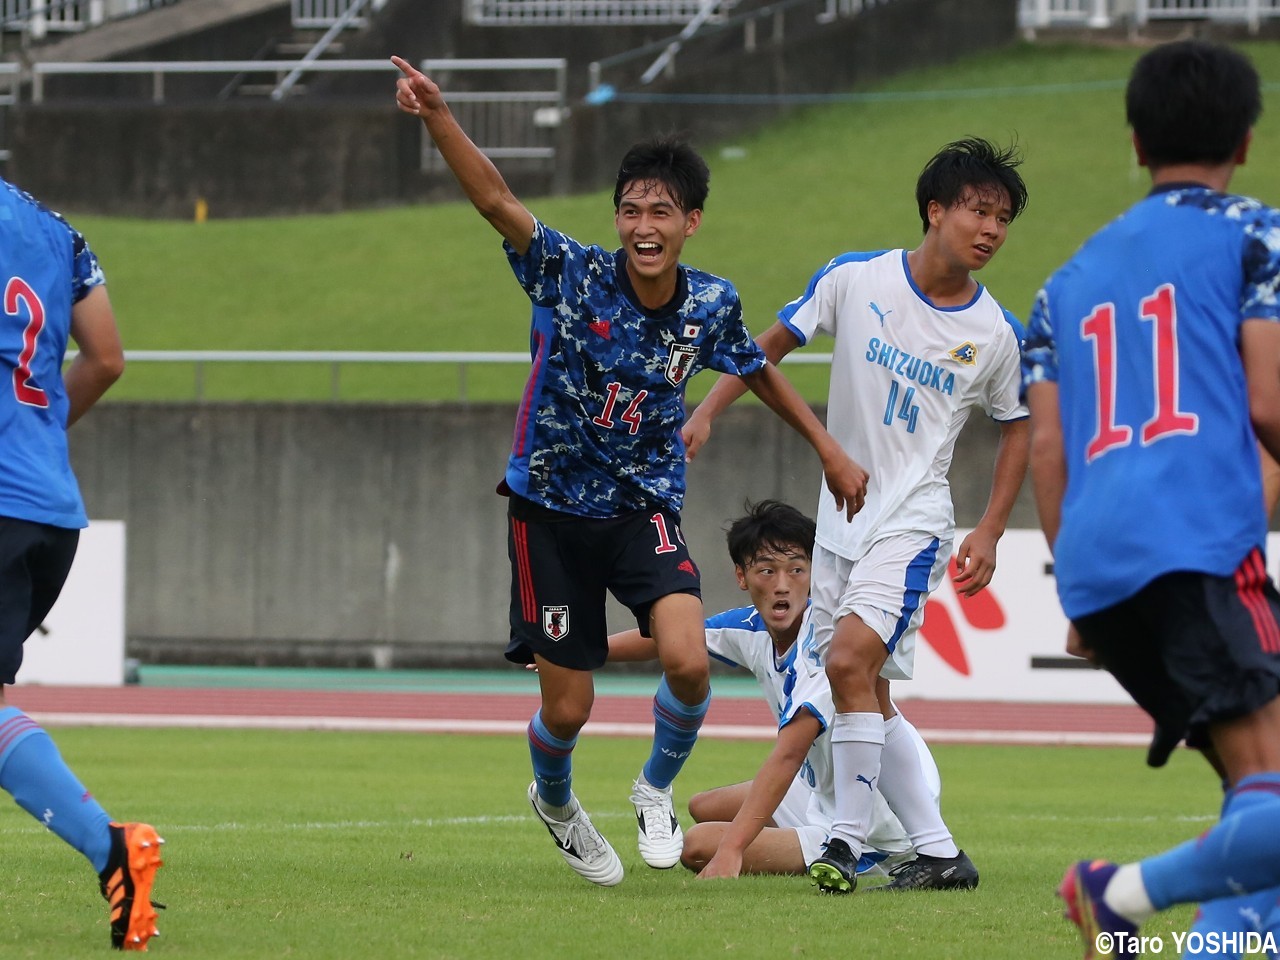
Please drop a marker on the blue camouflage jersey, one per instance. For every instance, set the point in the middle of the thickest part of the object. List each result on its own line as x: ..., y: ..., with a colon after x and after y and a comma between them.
x: 1141, y: 332
x: 598, y: 429
x: 47, y: 267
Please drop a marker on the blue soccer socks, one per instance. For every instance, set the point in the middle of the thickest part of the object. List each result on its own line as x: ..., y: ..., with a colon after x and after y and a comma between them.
x: 33, y: 771
x: 552, y: 763
x: 675, y: 731
x: 1238, y: 854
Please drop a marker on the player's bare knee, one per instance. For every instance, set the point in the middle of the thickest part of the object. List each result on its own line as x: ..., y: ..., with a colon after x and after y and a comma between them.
x: 849, y: 670
x: 700, y: 807
x: 689, y: 677
x: 565, y: 718
x: 699, y: 847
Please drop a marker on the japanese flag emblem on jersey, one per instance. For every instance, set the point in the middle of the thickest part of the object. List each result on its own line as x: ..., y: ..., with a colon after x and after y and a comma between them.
x: 555, y: 622
x: 966, y: 353
x: 679, y: 362
x: 691, y: 330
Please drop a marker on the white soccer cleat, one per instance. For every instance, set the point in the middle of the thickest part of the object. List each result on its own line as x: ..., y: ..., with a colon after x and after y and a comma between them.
x: 660, y: 838
x: 583, y: 846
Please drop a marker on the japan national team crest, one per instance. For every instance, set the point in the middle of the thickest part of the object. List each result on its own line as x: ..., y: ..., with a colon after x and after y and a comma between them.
x: 966, y: 353
x: 555, y: 622
x: 679, y: 362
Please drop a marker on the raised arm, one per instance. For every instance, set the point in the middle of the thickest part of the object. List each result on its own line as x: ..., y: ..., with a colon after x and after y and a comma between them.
x: 977, y: 553
x: 768, y: 787
x: 480, y: 180
x: 100, y: 361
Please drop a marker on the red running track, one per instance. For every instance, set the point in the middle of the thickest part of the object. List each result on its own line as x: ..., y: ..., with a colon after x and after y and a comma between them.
x: 938, y: 720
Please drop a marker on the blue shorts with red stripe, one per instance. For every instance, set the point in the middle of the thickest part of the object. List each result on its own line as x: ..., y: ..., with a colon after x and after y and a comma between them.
x: 1192, y: 650
x: 564, y: 566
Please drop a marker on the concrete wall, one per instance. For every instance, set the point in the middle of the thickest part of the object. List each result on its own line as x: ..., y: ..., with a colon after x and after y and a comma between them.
x: 357, y: 534
x: 345, y: 146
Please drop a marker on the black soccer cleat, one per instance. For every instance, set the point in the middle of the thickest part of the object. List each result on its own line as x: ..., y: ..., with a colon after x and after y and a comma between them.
x: 836, y: 871
x: 933, y: 873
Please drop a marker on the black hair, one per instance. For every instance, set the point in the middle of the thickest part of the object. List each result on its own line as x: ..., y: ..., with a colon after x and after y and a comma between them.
x: 670, y: 161
x: 970, y: 163
x: 768, y: 525
x: 1192, y: 101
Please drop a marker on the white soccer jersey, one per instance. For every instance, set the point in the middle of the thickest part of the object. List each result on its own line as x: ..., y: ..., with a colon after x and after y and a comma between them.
x: 904, y: 375
x: 791, y: 683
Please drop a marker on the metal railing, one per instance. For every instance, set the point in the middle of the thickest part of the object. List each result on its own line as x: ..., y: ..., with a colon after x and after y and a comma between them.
x: 159, y: 69
x: 320, y: 14
x: 505, y: 124
x: 1034, y: 14
x: 558, y: 13
x: 37, y: 18
x: 337, y: 359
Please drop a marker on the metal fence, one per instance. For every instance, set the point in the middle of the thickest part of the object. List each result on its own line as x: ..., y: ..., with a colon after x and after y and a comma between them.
x: 319, y: 14
x: 1033, y: 14
x: 596, y: 12
x: 336, y: 360
x: 505, y: 123
x: 40, y: 17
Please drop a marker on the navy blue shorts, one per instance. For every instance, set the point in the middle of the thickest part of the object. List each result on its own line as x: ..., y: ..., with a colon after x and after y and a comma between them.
x: 34, y: 562
x: 1192, y: 650
x: 562, y: 566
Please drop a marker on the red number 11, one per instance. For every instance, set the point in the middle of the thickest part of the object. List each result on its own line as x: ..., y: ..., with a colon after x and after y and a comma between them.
x: 1100, y: 327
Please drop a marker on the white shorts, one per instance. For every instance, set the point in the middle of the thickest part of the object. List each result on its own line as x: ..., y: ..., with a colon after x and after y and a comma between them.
x: 886, y: 590
x: 802, y: 811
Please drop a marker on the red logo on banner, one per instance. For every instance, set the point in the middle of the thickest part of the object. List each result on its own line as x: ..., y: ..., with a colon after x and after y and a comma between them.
x: 981, y: 611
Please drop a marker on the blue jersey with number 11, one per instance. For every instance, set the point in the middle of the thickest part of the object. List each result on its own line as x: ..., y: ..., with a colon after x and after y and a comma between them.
x: 1141, y: 332
x: 45, y: 268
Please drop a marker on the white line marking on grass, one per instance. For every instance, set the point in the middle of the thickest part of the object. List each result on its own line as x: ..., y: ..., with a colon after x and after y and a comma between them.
x: 711, y: 731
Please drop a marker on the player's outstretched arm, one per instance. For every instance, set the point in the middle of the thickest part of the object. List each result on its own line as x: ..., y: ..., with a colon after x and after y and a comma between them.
x: 977, y: 554
x: 100, y: 361
x: 768, y: 787
x: 630, y: 647
x: 776, y: 342
x: 846, y: 480
x: 418, y: 94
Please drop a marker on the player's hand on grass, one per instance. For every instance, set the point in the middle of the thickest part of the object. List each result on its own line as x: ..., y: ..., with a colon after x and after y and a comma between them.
x: 725, y: 863
x: 976, y: 561
x: 416, y: 93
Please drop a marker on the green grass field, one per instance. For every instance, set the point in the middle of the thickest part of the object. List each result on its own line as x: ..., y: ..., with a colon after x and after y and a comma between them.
x: 329, y: 845
x: 826, y: 180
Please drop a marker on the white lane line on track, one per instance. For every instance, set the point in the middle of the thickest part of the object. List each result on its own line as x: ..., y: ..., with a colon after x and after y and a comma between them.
x: 409, y: 725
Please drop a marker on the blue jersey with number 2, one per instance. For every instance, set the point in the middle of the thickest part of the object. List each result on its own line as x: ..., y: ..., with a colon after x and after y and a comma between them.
x: 45, y: 268
x: 1141, y: 331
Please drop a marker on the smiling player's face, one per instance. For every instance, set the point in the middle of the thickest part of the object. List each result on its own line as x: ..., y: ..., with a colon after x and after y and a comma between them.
x: 653, y: 229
